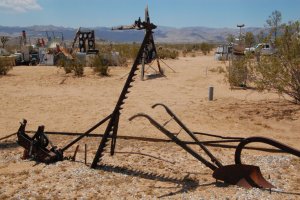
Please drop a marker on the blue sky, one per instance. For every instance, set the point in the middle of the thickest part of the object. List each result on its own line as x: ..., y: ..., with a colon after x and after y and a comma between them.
x: 175, y: 13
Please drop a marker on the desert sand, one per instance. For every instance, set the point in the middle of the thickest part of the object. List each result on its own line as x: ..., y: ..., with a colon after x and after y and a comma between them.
x: 45, y: 95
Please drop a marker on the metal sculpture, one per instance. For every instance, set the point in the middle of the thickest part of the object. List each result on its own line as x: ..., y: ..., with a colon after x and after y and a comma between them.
x: 246, y: 176
x: 36, y: 147
x: 84, y: 35
x: 112, y: 127
x: 149, y: 49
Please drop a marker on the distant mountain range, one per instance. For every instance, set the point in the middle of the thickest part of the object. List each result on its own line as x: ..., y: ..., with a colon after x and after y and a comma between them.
x: 162, y: 34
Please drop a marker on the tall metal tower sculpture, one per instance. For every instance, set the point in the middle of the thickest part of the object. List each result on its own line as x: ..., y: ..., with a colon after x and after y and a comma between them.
x: 112, y: 127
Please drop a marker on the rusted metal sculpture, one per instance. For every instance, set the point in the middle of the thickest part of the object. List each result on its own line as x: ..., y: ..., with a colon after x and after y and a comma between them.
x: 85, y: 35
x: 149, y: 49
x: 255, y: 179
x: 36, y: 147
x: 112, y: 127
x: 246, y: 176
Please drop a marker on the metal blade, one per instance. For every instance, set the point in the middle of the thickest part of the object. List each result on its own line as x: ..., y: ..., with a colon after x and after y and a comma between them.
x: 147, y: 18
x: 246, y: 176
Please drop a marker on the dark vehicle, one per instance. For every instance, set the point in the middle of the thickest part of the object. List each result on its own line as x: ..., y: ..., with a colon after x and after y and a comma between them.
x: 23, y: 58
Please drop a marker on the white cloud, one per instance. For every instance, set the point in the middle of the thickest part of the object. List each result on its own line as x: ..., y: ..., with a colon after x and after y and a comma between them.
x: 19, y: 5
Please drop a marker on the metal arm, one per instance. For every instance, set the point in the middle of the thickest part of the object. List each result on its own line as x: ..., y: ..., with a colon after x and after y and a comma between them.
x: 191, y: 134
x: 175, y: 139
x: 274, y: 143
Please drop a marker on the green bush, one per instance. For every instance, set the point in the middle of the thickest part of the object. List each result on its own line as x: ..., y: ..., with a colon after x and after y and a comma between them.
x: 281, y: 71
x: 100, y: 65
x: 218, y: 69
x: 190, y: 48
x: 129, y: 51
x: 126, y: 51
x: 165, y: 53
x: 74, y: 66
x: 66, y: 65
x: 5, y: 66
x: 237, y: 72
x: 78, y: 68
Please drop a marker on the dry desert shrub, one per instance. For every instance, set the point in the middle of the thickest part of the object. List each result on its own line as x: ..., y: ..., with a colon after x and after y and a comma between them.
x: 237, y: 72
x: 165, y: 53
x: 5, y: 66
x: 281, y: 71
x: 126, y: 50
x: 187, y: 48
x: 100, y: 65
x: 218, y: 69
x: 74, y: 66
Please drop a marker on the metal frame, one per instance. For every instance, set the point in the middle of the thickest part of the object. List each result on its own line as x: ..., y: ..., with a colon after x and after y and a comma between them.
x: 148, y: 43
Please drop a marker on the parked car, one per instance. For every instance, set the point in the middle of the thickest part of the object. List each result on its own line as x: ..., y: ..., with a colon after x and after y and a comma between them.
x: 262, y: 49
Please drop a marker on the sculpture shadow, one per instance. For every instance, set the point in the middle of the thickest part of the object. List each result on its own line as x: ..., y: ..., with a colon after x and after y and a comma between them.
x: 185, y: 184
x: 9, y: 145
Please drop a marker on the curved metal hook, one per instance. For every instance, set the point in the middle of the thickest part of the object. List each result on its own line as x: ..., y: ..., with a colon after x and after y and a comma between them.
x: 274, y: 143
x: 165, y: 107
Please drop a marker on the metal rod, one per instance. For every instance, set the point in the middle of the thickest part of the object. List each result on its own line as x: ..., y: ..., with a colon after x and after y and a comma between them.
x: 167, y: 65
x: 85, y: 153
x: 213, y: 143
x: 264, y: 140
x: 191, y: 134
x: 75, y: 153
x: 238, y: 139
x: 218, y: 136
x: 143, y: 67
x: 86, y: 133
x: 176, y: 140
x: 8, y: 136
x: 138, y: 138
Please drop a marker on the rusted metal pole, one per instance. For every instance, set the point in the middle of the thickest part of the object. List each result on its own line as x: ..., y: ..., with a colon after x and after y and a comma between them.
x: 85, y: 153
x: 75, y: 153
x: 86, y: 133
x: 8, y: 136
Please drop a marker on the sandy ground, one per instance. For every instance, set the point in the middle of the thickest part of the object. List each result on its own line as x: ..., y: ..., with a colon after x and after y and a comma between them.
x: 140, y: 169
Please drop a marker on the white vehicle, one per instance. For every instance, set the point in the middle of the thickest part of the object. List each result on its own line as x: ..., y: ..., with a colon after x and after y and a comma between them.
x: 265, y: 49
x: 262, y: 49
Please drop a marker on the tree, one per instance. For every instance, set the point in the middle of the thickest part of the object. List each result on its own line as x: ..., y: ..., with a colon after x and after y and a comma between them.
x: 230, y: 38
x: 249, y: 39
x: 4, y: 40
x: 274, y: 21
x: 281, y: 71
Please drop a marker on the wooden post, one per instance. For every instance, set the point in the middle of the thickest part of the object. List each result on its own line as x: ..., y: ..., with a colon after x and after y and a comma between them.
x: 211, y: 93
